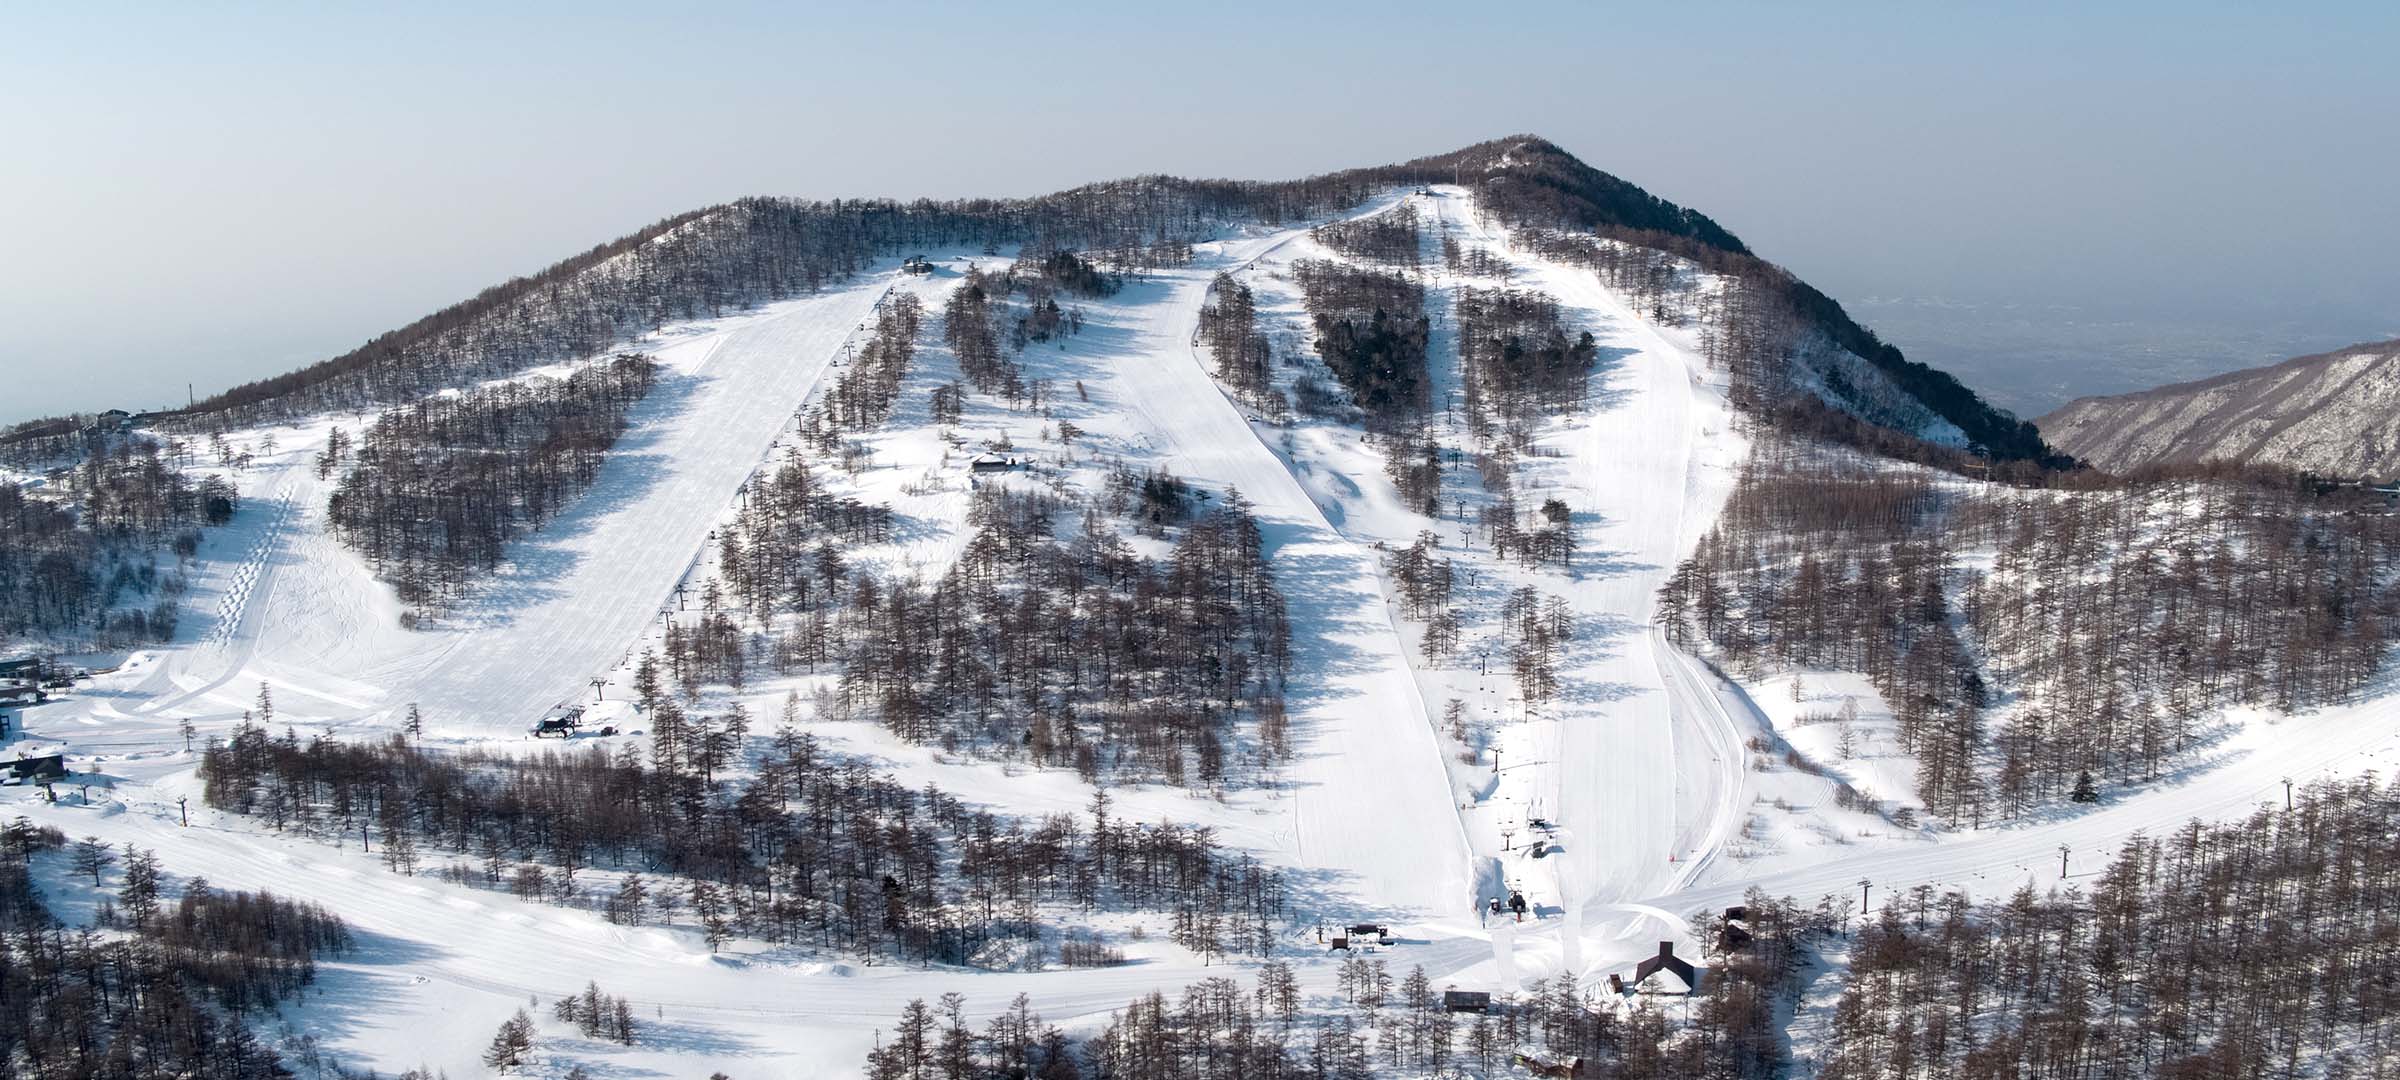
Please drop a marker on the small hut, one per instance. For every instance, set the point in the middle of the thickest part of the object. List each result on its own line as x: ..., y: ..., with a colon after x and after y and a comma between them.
x: 1466, y: 1001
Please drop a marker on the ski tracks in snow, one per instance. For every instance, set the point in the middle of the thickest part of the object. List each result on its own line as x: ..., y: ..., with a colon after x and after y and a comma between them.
x: 251, y: 572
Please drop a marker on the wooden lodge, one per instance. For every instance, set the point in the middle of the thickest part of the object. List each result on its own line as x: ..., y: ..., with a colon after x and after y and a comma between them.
x: 1466, y: 1001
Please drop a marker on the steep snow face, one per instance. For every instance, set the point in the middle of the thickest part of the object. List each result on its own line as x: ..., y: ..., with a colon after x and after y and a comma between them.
x: 1841, y: 379
x: 2337, y: 413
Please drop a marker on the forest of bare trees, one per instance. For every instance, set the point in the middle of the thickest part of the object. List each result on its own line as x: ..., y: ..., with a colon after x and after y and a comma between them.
x: 81, y: 556
x: 2121, y: 613
x: 809, y: 847
x: 1519, y: 364
x: 1080, y: 654
x: 161, y: 986
x: 434, y: 491
x: 1371, y: 331
x: 985, y: 313
x: 2259, y: 947
x: 1388, y: 237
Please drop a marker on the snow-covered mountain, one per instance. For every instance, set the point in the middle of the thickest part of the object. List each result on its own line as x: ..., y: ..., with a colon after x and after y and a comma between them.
x: 2334, y: 414
x: 1151, y: 585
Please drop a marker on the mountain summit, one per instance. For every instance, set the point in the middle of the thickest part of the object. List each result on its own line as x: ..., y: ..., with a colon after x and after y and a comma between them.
x: 753, y: 251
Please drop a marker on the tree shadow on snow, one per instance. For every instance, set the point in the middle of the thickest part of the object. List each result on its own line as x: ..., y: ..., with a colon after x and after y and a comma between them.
x: 1602, y: 392
x: 537, y: 567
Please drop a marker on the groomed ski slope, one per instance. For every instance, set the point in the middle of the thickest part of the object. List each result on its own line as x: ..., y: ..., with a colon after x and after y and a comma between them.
x: 1369, y: 803
x: 305, y: 616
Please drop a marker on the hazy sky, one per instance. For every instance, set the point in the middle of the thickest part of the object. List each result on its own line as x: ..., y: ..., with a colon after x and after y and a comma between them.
x: 224, y: 194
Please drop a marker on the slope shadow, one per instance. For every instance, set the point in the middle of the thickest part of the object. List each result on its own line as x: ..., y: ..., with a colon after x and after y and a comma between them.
x: 1601, y: 393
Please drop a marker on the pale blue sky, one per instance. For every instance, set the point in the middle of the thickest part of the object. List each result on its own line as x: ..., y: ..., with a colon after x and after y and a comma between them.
x: 223, y: 194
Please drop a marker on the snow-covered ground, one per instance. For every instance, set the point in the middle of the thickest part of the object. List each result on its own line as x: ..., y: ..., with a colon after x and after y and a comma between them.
x: 1643, y: 764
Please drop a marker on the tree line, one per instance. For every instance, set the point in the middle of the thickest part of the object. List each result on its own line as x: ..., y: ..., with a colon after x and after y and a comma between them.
x: 1229, y: 327
x: 868, y: 388
x: 736, y: 256
x: 806, y: 847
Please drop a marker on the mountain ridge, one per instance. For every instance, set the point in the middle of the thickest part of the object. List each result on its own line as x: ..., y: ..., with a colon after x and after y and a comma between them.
x: 749, y: 251
x: 2333, y: 413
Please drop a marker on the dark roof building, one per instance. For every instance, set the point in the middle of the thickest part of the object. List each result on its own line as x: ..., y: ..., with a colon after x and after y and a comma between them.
x: 1470, y: 1001
x: 1670, y: 968
x: 36, y: 769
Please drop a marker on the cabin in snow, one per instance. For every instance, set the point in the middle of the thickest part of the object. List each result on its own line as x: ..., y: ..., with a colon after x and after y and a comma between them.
x: 34, y: 770
x: 1665, y: 973
x: 994, y: 463
x: 915, y: 264
x: 1466, y: 1001
x: 1733, y: 931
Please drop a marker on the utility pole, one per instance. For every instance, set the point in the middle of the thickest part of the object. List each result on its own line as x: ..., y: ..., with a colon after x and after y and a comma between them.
x: 2287, y: 793
x: 2062, y: 862
x: 599, y: 689
x: 185, y: 810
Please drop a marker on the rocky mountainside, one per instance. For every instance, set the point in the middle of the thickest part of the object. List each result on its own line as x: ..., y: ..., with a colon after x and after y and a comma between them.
x: 2335, y: 413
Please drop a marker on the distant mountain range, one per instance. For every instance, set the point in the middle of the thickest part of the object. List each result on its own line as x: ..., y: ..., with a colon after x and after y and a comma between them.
x: 2334, y: 413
